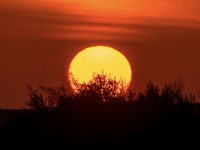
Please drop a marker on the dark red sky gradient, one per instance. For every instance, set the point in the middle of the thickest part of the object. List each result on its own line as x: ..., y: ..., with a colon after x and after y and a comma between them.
x: 161, y: 40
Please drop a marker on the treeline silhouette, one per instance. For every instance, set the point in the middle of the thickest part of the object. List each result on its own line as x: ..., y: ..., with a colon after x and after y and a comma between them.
x: 100, y: 116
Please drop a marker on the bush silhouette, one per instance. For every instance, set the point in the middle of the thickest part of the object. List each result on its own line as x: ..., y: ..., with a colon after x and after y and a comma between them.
x: 98, y: 116
x: 36, y: 99
x: 103, y: 88
x: 169, y: 94
x: 100, y: 88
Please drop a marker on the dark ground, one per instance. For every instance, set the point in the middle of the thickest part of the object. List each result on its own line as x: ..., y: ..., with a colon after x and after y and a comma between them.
x: 7, y: 114
x: 116, y: 125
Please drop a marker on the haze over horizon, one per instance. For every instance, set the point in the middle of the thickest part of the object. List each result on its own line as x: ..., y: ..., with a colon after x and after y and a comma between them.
x: 159, y: 38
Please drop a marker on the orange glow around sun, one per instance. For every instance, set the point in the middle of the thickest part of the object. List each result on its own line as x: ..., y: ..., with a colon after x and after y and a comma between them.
x: 97, y: 59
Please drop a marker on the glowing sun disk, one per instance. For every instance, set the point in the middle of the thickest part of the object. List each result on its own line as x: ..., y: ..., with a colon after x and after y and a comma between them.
x: 97, y: 59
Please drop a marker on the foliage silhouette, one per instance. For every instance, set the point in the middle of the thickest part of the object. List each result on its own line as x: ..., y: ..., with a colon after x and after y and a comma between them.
x: 100, y: 115
x: 169, y: 94
x: 92, y: 119
x: 100, y: 88
x: 36, y: 99
x: 103, y: 88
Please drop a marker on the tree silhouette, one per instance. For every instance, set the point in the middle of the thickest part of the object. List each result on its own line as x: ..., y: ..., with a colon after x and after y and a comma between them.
x: 150, y: 93
x: 36, y: 99
x: 96, y: 116
x: 104, y: 88
x: 47, y: 97
x: 170, y: 94
x: 101, y: 85
x: 100, y: 88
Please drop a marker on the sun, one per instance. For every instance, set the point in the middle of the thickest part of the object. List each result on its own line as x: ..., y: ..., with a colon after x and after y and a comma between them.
x: 97, y: 59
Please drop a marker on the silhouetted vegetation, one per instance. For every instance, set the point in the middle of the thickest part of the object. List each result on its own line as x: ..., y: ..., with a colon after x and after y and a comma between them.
x: 102, y: 86
x: 47, y: 98
x: 169, y: 94
x: 98, y: 116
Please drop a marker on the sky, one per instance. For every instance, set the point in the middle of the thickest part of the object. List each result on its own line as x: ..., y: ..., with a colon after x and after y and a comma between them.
x: 160, y: 38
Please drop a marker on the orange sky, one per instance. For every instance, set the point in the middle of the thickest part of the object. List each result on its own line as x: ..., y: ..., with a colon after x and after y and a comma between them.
x: 72, y: 18
x: 159, y: 37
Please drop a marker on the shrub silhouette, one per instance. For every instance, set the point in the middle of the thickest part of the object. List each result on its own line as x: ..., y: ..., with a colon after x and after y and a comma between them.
x: 98, y: 117
x: 36, y: 100
x: 169, y: 94
x: 103, y: 88
x: 47, y: 97
x: 150, y: 93
x: 100, y: 88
